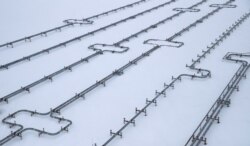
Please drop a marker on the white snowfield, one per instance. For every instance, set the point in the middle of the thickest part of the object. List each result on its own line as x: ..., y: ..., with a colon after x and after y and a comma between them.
x: 106, y: 89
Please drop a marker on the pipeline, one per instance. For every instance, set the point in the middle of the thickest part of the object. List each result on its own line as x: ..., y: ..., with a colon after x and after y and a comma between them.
x: 102, y: 82
x: 97, y: 53
x: 71, y: 22
x: 79, y: 38
x: 223, y: 100
x: 201, y: 73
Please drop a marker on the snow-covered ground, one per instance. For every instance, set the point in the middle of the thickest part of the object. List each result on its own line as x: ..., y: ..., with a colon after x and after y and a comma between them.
x: 175, y: 118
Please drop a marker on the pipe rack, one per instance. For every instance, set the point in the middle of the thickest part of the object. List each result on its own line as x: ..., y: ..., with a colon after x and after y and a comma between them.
x: 201, y: 73
x: 98, y: 52
x: 196, y: 137
x: 223, y: 100
x: 70, y: 22
x: 79, y: 38
x: 199, y: 133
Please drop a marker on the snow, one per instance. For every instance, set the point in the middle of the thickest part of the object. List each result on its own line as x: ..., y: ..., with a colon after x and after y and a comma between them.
x: 175, y: 118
